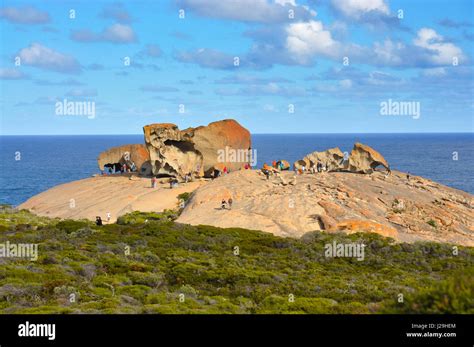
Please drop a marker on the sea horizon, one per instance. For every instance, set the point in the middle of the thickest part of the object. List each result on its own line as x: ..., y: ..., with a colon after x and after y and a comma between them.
x: 342, y: 133
x: 49, y: 160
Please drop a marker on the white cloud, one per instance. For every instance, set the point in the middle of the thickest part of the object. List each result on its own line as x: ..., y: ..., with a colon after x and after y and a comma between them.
x: 24, y: 15
x: 119, y: 33
x: 358, y: 8
x: 263, y: 11
x: 206, y: 57
x: 116, y: 33
x: 46, y: 58
x: 307, y: 39
x: 434, y: 72
x: 346, y: 84
x: 80, y: 92
x: 388, y: 52
x: 11, y: 74
x: 429, y: 49
x: 442, y: 52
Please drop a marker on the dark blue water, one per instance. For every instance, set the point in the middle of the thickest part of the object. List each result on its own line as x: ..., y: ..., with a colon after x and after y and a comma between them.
x: 46, y: 161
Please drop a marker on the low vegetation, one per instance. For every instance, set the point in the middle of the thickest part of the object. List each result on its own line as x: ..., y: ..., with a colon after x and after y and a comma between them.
x: 147, y: 263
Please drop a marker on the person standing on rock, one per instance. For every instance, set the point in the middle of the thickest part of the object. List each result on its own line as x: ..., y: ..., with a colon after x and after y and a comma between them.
x: 108, y: 215
x: 223, y: 204
x: 153, y: 182
x: 229, y: 202
x: 98, y: 221
x: 267, y: 174
x: 408, y: 176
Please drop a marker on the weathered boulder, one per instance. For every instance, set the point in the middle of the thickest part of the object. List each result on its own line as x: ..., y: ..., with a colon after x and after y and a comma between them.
x: 364, y: 159
x: 333, y: 158
x: 127, y: 154
x: 175, y: 152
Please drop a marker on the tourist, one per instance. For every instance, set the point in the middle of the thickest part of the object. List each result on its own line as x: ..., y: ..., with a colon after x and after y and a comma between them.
x: 108, y: 217
x: 98, y: 221
x: 274, y: 164
x: 225, y: 170
x: 408, y: 176
x: 230, y: 203
x: 171, y: 182
x: 223, y: 204
x: 267, y: 174
x: 153, y: 182
x: 110, y: 171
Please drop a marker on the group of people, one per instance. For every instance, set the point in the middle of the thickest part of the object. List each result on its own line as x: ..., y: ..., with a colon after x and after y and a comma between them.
x: 122, y: 168
x: 173, y: 182
x: 98, y: 219
x: 225, y: 204
x: 217, y: 173
x: 319, y: 167
x: 279, y: 165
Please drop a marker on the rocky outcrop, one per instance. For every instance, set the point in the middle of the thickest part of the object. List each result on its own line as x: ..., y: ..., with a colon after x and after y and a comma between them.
x: 406, y: 210
x: 332, y: 158
x: 364, y: 159
x: 175, y: 152
x: 127, y: 154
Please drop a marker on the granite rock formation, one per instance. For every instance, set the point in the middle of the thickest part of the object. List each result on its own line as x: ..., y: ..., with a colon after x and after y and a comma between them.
x: 175, y: 152
x: 126, y: 154
x: 333, y: 158
x: 362, y: 159
x: 291, y: 205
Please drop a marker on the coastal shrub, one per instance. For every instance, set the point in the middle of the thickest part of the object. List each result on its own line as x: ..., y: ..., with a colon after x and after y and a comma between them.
x: 167, y: 259
x: 137, y: 217
x: 184, y: 196
x: 449, y: 296
x: 69, y: 226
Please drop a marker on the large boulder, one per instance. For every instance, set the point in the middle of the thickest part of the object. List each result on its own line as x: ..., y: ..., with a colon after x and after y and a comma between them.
x: 126, y: 154
x: 333, y: 158
x: 175, y: 152
x: 364, y: 159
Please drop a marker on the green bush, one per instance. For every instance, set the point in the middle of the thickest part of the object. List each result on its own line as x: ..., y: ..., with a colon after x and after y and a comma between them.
x: 166, y: 259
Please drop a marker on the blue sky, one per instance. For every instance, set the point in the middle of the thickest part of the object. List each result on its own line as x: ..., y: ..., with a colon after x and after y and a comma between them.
x: 331, y: 62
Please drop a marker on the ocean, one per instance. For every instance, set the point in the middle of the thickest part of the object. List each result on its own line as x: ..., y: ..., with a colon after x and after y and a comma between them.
x: 32, y: 164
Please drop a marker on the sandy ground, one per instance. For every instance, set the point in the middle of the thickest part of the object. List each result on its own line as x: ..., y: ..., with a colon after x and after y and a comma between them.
x: 96, y: 196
